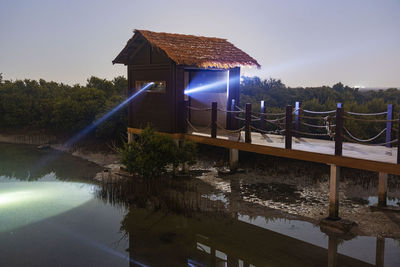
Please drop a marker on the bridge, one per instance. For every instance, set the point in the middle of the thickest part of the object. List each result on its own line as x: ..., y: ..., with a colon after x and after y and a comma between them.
x: 316, y: 136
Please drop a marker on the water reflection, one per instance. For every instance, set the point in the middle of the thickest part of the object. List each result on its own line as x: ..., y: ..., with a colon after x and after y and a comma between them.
x: 169, y: 222
x: 19, y: 162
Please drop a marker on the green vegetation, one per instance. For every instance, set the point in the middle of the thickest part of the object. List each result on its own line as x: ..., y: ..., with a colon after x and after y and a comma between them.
x: 276, y: 96
x: 150, y: 153
x: 56, y: 108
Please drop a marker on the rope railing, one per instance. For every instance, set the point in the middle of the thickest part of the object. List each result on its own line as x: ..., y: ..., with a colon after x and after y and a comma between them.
x: 315, y: 118
x: 230, y: 111
x: 364, y: 140
x: 275, y: 120
x: 198, y: 129
x: 310, y: 134
x: 277, y: 131
x: 199, y: 109
x: 228, y: 130
x: 318, y: 112
x: 316, y: 126
x: 298, y: 122
x: 239, y: 108
x: 269, y: 114
x: 378, y: 144
x: 238, y: 118
x: 367, y: 114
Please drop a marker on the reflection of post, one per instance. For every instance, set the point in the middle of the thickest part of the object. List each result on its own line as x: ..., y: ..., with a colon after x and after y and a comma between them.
x: 334, y: 192
x: 130, y: 249
x: 332, y: 251
x: 380, y: 252
x: 382, y: 189
x: 233, y: 159
x: 234, y: 197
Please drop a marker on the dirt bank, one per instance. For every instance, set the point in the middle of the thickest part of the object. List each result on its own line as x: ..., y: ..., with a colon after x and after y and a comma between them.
x: 305, y: 197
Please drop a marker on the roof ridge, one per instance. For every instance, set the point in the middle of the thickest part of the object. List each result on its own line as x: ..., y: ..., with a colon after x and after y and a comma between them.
x: 180, y: 34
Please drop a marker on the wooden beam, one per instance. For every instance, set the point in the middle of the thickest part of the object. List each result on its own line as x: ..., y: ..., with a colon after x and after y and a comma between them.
x: 355, y: 163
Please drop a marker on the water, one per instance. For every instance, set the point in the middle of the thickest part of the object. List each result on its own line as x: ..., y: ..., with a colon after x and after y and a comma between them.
x: 61, y: 218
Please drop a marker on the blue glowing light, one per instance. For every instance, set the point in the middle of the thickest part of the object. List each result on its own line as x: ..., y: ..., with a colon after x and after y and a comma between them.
x: 297, y: 108
x: 227, y: 84
x: 212, y: 86
x: 89, y: 128
x: 203, y: 88
x: 262, y: 104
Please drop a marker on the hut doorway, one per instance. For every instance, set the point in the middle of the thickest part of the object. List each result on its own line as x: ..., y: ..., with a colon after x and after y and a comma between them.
x: 205, y: 87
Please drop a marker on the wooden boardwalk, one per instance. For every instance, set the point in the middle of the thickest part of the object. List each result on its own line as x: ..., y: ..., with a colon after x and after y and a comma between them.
x: 365, y: 157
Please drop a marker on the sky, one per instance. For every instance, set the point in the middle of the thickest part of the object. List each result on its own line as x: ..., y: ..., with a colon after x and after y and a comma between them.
x: 301, y: 42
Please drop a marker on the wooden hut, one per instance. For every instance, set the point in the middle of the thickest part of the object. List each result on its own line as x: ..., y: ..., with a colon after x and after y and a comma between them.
x: 175, y: 63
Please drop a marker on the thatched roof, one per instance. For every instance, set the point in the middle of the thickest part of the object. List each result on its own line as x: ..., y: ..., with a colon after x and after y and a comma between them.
x: 189, y: 50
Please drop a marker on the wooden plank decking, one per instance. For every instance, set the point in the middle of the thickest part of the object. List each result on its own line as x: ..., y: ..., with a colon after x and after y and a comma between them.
x: 365, y: 157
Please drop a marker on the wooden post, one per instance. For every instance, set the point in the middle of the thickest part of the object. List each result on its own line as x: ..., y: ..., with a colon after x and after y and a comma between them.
x: 262, y: 116
x: 185, y: 115
x: 214, y: 110
x: 382, y: 189
x: 398, y: 141
x: 334, y: 192
x: 296, y: 118
x: 288, y: 127
x: 339, y: 131
x: 233, y: 159
x: 380, y: 252
x: 389, y: 125
x: 248, y: 123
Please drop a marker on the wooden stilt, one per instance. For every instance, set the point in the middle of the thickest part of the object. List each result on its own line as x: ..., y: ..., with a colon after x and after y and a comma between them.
x: 334, y: 193
x: 233, y: 159
x: 382, y: 189
x: 130, y: 137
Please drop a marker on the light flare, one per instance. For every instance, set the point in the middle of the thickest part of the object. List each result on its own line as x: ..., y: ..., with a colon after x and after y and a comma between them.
x: 89, y: 128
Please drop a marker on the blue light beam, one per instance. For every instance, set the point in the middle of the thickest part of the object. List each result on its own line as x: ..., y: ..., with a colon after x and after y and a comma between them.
x: 89, y: 128
x: 52, y: 156
x: 211, y: 86
x: 203, y: 88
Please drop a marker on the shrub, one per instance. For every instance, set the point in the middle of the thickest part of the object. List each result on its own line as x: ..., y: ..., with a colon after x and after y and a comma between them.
x: 150, y: 153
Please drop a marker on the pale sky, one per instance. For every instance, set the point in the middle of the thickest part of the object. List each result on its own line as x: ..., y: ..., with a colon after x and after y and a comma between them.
x: 301, y: 42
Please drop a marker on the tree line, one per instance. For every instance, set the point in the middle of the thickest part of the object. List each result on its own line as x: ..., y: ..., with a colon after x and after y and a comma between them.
x: 58, y: 108
x: 277, y: 95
